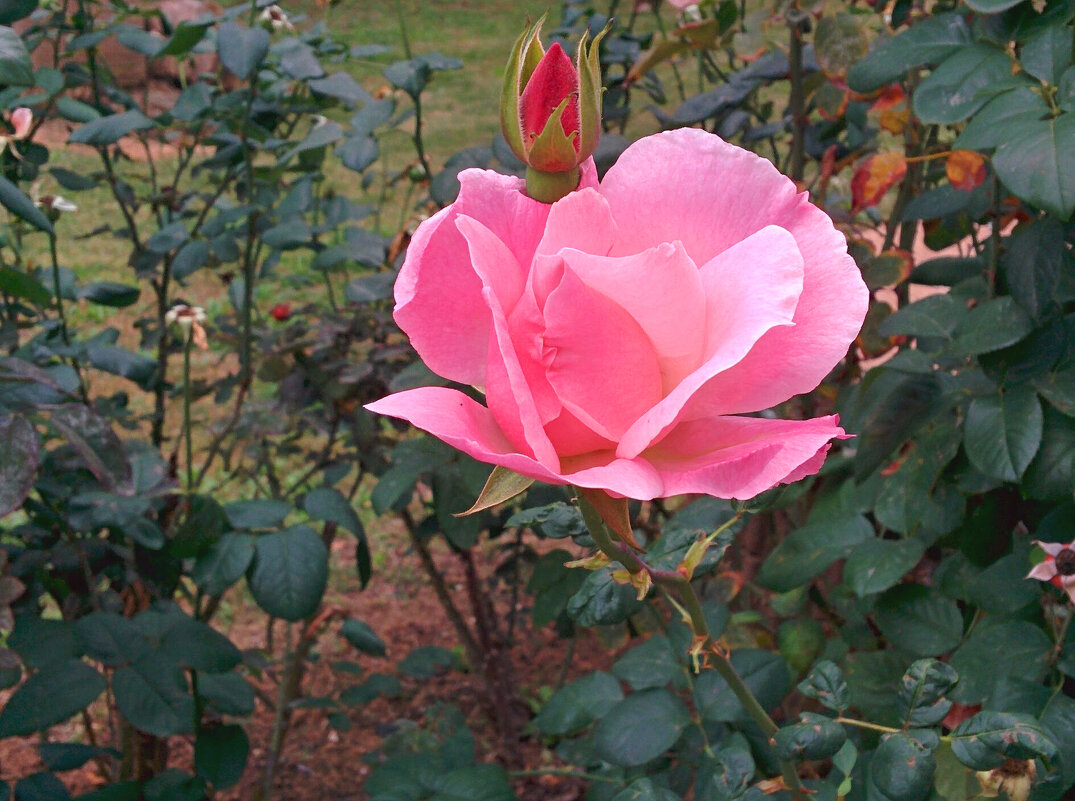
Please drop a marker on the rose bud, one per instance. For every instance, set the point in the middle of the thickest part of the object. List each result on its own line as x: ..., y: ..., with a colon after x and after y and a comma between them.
x: 281, y: 312
x: 550, y: 111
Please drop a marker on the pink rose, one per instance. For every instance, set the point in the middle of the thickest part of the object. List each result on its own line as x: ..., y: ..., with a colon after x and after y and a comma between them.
x: 622, y: 334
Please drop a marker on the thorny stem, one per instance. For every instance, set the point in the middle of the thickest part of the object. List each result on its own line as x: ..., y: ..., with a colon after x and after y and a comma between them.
x: 678, y: 585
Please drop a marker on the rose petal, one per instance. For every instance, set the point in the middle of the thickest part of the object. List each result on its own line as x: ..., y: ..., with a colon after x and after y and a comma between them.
x: 437, y: 274
x: 580, y: 220
x: 662, y: 290
x: 597, y: 358
x: 463, y: 423
x: 690, y: 185
x: 1043, y: 571
x: 741, y: 305
x: 1051, y: 548
x: 739, y: 457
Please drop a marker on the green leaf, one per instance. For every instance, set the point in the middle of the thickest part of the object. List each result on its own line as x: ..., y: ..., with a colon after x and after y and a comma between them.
x: 41, y: 642
x: 812, y: 737
x: 427, y: 661
x: 992, y: 6
x: 552, y: 584
x: 1058, y: 720
x: 110, y: 129
x: 16, y: 66
x: 50, y: 696
x: 95, y: 441
x: 1037, y: 163
x: 922, y: 692
x: 576, y: 705
x: 984, y: 741
x: 242, y: 50
x: 122, y: 362
x: 193, y: 644
x: 871, y: 677
x: 875, y: 565
x: 1003, y: 431
x: 997, y: 649
x: 600, y: 601
x: 953, y: 780
x: 15, y: 200
x: 929, y: 41
x: 18, y: 461
x: 839, y: 41
x: 362, y: 637
x: 376, y: 686
x: 220, y: 754
x: 227, y: 693
x: 917, y: 619
x: 644, y: 790
x: 1037, y: 267
x: 934, y: 316
x: 911, y: 500
x: 341, y: 86
x: 473, y: 783
x: 224, y: 563
x: 991, y: 326
x: 651, y: 664
x: 41, y: 787
x: 502, y: 486
x: 289, y: 572
x: 185, y: 36
x: 328, y: 503
x: 109, y: 293
x: 153, y: 696
x: 358, y: 153
x: 810, y: 550
x: 1052, y: 473
x: 961, y: 84
x: 765, y: 673
x: 727, y: 774
x: 826, y: 683
x: 640, y: 728
x: 110, y: 638
x: 1048, y: 53
x: 23, y: 285
x: 907, y: 406
x: 257, y: 514
x: 14, y: 10
x: 902, y: 769
x: 995, y: 121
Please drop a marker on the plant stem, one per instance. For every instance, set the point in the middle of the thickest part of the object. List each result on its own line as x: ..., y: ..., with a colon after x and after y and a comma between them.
x: 678, y: 584
x: 862, y: 724
x: 186, y: 410
x: 797, y: 99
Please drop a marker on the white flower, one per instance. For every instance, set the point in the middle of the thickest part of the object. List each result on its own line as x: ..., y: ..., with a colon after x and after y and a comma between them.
x: 1058, y: 568
x: 274, y: 19
x: 191, y: 319
x: 53, y: 205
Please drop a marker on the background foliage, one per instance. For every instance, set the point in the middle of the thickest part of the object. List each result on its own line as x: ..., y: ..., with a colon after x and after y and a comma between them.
x: 879, y: 609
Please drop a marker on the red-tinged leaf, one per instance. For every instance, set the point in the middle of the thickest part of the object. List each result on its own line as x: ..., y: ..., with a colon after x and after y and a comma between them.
x: 875, y: 176
x: 613, y: 511
x: 965, y: 169
x: 889, y: 268
x: 892, y: 97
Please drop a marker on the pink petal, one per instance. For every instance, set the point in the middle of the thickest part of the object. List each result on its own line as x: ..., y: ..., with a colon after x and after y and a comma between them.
x: 580, y: 220
x: 1068, y: 586
x: 463, y: 423
x: 1052, y: 548
x: 467, y: 425
x: 597, y: 358
x: 690, y: 185
x: 740, y: 457
x: 493, y: 262
x: 749, y: 289
x: 1043, y: 571
x: 21, y: 120
x: 438, y: 294
x: 662, y: 290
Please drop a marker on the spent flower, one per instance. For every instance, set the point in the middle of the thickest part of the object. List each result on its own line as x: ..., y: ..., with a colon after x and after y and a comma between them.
x: 191, y: 321
x: 1058, y: 568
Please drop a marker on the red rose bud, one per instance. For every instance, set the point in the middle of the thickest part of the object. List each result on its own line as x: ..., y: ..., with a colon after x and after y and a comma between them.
x: 281, y: 312
x: 550, y: 111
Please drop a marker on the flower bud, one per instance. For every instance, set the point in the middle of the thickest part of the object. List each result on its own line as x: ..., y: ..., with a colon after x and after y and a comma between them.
x: 550, y: 111
x: 280, y: 312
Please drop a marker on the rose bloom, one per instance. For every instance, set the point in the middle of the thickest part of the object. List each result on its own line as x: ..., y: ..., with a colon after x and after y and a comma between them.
x: 623, y: 335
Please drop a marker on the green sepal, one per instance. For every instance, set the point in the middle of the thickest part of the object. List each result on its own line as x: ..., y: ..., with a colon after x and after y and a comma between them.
x: 552, y: 150
x: 588, y: 66
x: 525, y: 56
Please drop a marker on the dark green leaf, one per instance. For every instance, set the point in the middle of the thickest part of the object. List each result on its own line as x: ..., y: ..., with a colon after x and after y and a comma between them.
x: 1052, y: 473
x: 185, y: 36
x: 1036, y: 162
x: 934, y: 316
x: 16, y: 67
x: 651, y: 664
x: 961, y: 84
x: 411, y: 76
x: 922, y: 692
x: 600, y: 601
x: 110, y: 638
x: 1048, y: 53
x: 257, y: 514
x: 220, y: 754
x: 41, y: 642
x: 62, y: 757
x: 18, y: 461
x: 809, y: 550
x: 109, y: 293
x: 362, y: 637
x: 14, y: 10
x: 427, y: 661
x: 50, y: 696
x: 23, y: 285
x: 227, y: 693
x: 358, y: 152
x: 41, y: 787
x: 289, y: 572
x: 224, y: 563
x: 153, y: 695
x: 242, y: 50
x: 376, y: 686
x: 122, y: 362
x: 996, y: 120
x: 992, y: 6
x: 995, y: 650
x: 991, y: 326
x: 875, y: 565
x: 194, y: 644
x: 765, y: 673
x: 473, y: 783
x: 640, y: 728
x: 109, y: 130
x: 812, y: 737
x: 902, y: 769
x: 893, y: 420
x: 578, y: 704
x: 1003, y: 432
x: 826, y: 683
x: 327, y: 503
x: 928, y: 41
x: 341, y: 86
x: 97, y: 444
x: 988, y: 738
x: 15, y: 200
x: 918, y: 620
x: 644, y: 790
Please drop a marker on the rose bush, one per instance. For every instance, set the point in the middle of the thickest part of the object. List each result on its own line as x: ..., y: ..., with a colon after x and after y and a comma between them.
x: 623, y: 334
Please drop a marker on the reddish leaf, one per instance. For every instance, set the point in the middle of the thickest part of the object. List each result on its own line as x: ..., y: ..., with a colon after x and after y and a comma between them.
x: 874, y: 177
x: 965, y: 169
